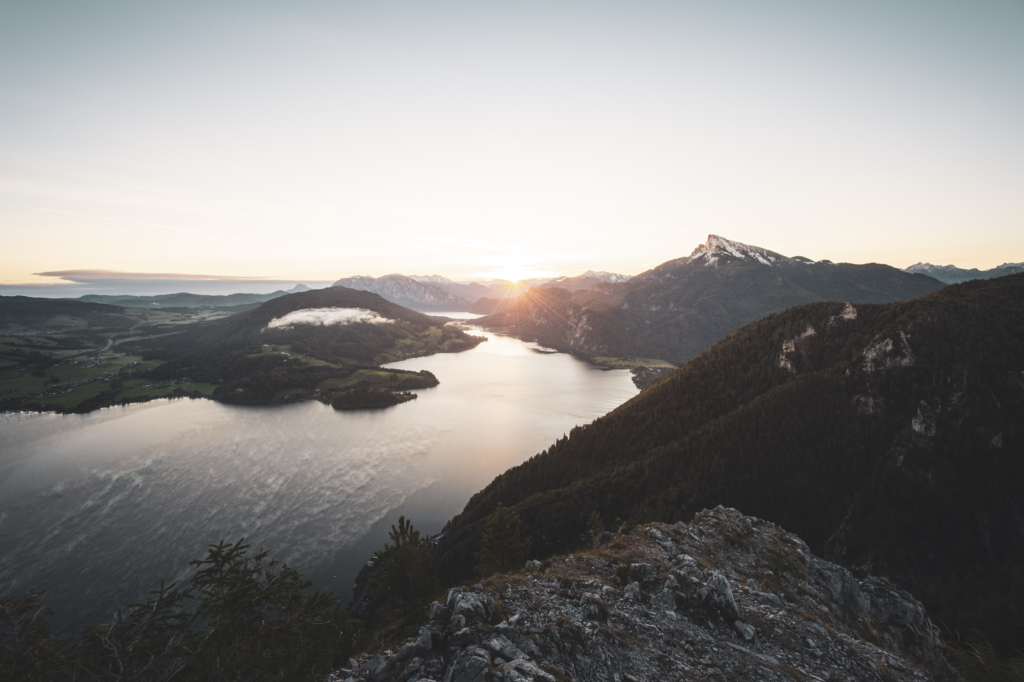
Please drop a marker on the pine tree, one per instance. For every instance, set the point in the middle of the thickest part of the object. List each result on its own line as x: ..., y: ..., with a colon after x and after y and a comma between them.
x: 501, y: 547
x: 405, y: 577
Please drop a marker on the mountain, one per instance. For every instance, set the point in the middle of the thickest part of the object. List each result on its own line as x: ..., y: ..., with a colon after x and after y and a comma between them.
x: 318, y: 344
x: 683, y: 306
x: 724, y: 597
x: 408, y: 292
x: 889, y: 437
x: 584, y: 281
x: 185, y: 300
x: 298, y: 289
x: 470, y: 291
x: 951, y: 274
x: 337, y: 325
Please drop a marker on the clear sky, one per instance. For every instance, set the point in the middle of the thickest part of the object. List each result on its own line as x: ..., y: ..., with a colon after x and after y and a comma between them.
x: 315, y: 140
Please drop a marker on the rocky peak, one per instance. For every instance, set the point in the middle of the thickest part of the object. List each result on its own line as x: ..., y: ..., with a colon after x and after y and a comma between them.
x: 717, y: 248
x: 725, y: 596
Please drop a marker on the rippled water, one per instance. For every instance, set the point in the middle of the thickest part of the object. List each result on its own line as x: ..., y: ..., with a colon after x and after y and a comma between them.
x: 96, y: 508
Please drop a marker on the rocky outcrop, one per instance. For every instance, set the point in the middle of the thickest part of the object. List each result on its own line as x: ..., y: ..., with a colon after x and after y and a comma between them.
x: 725, y: 597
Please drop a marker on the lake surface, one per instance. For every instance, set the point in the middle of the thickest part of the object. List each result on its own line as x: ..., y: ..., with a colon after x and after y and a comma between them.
x: 96, y: 508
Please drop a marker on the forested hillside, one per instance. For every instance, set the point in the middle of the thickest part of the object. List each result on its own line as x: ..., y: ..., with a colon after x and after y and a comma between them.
x: 888, y: 436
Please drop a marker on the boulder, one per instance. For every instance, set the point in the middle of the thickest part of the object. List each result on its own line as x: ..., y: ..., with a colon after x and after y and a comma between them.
x: 720, y: 596
x: 472, y: 605
x: 472, y: 665
x: 375, y: 670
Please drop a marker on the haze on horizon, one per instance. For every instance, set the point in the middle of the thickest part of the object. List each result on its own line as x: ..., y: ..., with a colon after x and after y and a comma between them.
x: 314, y: 140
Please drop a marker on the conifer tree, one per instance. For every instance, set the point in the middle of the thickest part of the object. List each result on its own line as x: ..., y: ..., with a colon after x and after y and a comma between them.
x: 405, y: 576
x: 501, y: 547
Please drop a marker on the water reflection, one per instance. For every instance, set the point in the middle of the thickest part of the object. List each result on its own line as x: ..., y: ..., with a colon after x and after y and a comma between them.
x: 96, y: 508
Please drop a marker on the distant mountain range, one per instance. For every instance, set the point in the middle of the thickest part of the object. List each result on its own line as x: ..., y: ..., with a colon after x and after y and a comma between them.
x: 408, y: 292
x: 951, y: 274
x: 683, y: 306
x: 585, y: 281
x: 887, y: 436
x: 434, y: 293
x: 185, y: 300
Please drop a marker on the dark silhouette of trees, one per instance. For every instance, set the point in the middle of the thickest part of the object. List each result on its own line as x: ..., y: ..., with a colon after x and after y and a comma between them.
x: 501, y: 547
x: 404, y: 580
x: 242, y: 617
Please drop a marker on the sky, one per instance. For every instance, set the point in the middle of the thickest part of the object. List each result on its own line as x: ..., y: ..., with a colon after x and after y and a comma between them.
x: 308, y: 141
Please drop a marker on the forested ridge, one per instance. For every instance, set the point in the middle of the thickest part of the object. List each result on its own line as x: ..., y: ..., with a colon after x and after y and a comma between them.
x: 888, y: 436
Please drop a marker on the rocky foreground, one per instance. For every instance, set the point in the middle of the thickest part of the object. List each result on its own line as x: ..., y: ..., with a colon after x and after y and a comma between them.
x: 724, y: 597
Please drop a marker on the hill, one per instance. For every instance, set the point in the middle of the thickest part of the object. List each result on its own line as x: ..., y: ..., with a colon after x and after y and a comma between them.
x: 19, y: 314
x: 888, y: 436
x: 326, y: 344
x: 185, y: 300
x: 313, y: 344
x: 683, y: 306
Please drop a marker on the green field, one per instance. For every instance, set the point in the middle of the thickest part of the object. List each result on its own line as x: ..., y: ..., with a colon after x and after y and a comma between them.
x: 370, y: 376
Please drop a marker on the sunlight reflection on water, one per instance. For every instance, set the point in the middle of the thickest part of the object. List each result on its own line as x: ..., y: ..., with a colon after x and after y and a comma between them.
x: 96, y: 508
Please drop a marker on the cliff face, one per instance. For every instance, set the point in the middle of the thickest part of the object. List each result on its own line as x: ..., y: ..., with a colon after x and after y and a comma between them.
x: 725, y: 596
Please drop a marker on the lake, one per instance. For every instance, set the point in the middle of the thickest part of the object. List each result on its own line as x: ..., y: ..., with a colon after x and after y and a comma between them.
x: 96, y: 508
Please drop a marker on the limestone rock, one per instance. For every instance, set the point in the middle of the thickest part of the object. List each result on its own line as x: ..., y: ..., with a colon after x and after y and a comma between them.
x: 718, y: 615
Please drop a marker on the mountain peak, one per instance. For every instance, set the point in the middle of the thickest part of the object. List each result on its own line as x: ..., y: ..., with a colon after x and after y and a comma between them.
x: 719, y: 247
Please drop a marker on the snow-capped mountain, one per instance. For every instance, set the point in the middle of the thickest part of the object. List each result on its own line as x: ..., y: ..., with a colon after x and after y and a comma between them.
x: 951, y: 274
x: 717, y: 248
x: 682, y: 307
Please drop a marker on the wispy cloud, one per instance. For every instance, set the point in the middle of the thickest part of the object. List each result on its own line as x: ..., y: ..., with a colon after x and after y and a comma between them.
x: 105, y: 275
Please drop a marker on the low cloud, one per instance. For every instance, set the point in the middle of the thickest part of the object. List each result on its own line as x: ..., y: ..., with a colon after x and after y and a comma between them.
x: 326, y: 317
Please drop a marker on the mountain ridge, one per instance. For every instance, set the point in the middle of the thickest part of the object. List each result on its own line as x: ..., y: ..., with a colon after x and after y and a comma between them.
x: 886, y: 435
x: 683, y: 306
x: 951, y: 274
